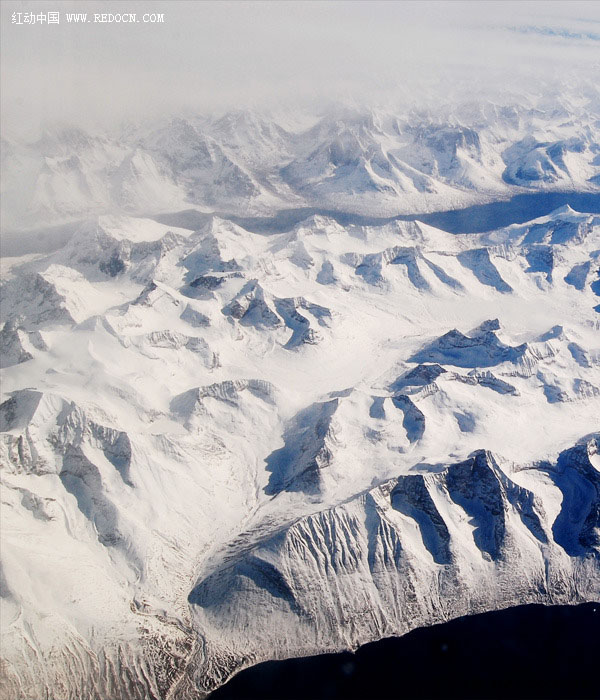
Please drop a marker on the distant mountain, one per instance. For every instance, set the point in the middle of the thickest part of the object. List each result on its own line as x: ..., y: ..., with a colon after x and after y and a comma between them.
x: 243, y: 162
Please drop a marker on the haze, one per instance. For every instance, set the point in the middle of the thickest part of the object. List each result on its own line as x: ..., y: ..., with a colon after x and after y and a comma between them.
x: 212, y: 56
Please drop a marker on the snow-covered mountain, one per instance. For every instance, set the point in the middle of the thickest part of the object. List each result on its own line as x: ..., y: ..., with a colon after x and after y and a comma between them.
x: 221, y: 446
x: 367, y: 161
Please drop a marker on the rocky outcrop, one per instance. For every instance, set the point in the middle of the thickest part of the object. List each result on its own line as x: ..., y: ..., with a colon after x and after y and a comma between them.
x: 415, y: 550
x: 255, y: 307
x: 480, y: 349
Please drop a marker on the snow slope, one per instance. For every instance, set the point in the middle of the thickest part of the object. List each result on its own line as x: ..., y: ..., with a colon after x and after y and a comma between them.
x: 220, y: 447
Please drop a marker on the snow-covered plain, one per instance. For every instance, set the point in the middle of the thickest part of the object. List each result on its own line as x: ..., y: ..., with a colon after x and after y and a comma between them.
x: 220, y: 447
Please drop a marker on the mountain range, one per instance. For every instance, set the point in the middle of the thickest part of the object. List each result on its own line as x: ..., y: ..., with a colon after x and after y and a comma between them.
x: 362, y: 160
x: 222, y: 445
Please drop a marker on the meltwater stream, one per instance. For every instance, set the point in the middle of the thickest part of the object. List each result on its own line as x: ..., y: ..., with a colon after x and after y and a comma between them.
x: 530, y: 652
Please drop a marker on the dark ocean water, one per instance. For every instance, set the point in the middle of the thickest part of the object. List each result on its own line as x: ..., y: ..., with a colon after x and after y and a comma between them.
x: 531, y: 652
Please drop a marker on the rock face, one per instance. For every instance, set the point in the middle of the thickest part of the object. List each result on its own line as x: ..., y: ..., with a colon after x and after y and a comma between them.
x: 219, y: 446
x: 253, y: 307
x: 479, y: 350
x: 415, y: 550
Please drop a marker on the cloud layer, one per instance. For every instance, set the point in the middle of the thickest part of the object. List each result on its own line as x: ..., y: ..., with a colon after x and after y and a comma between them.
x: 212, y: 56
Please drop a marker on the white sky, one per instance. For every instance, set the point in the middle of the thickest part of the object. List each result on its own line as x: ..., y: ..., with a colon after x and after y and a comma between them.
x: 217, y: 55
